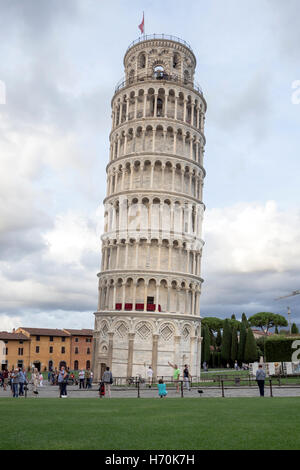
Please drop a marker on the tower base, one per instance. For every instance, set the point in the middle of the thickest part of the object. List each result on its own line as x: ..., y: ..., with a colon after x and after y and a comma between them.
x: 130, y: 342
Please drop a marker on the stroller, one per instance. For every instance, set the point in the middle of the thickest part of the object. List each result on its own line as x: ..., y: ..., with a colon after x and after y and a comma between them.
x: 101, y: 390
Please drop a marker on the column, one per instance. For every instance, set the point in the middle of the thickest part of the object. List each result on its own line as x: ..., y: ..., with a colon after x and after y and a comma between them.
x: 170, y: 257
x: 130, y: 353
x: 163, y: 175
x: 192, y: 355
x: 154, y: 355
x: 125, y: 144
x: 166, y: 105
x: 193, y: 302
x: 114, y: 297
x: 126, y: 253
x: 175, y: 113
x: 168, y: 299
x: 152, y: 173
x: 177, y: 350
x: 110, y: 349
x: 198, y: 117
x: 134, y: 294
x: 158, y: 256
x: 135, y: 107
x: 123, y: 177
x: 136, y: 254
x: 190, y: 187
x: 191, y: 148
x: 173, y: 178
x: 145, y: 296
x: 182, y: 180
x: 145, y: 105
x: 153, y: 139
x: 118, y: 255
x: 184, y: 111
x: 155, y: 105
x: 157, y: 298
x: 131, y: 176
x: 175, y: 142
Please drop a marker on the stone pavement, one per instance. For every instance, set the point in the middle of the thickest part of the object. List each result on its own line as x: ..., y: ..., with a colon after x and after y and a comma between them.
x: 52, y: 391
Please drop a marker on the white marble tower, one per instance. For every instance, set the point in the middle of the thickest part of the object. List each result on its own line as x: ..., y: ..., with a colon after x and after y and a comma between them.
x: 149, y: 284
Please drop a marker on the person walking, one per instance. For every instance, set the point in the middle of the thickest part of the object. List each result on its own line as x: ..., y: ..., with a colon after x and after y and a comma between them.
x: 81, y: 375
x: 22, y: 381
x: 5, y: 379
x: 176, y: 375
x: 107, y: 379
x: 260, y: 379
x: 15, y: 377
x: 62, y: 382
x: 150, y: 376
x: 186, y: 377
x: 35, y: 380
x: 87, y: 378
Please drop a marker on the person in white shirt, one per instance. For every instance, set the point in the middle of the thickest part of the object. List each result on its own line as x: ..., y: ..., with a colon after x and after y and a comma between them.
x: 81, y: 376
x: 150, y: 376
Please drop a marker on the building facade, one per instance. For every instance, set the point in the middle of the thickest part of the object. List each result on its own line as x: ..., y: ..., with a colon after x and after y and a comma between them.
x: 81, y: 348
x: 150, y: 280
x: 15, y: 350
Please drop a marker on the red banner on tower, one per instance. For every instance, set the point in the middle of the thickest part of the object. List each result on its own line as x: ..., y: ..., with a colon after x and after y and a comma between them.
x: 142, y: 25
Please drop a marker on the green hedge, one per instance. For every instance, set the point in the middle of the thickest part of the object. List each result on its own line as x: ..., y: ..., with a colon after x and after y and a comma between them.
x: 279, y: 348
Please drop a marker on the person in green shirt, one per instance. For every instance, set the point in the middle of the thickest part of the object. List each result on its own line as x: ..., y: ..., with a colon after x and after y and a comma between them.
x: 176, y: 375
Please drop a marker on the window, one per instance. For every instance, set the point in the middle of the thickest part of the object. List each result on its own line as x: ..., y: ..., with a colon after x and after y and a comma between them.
x: 38, y: 338
x: 88, y: 351
x: 88, y: 340
x: 20, y: 364
x: 76, y: 350
x: 20, y: 352
x: 63, y: 350
x: 76, y: 365
x: 63, y: 339
x: 51, y: 349
x: 159, y: 72
x: 76, y: 340
x: 21, y: 341
x: 51, y: 338
x: 37, y: 349
x: 5, y: 351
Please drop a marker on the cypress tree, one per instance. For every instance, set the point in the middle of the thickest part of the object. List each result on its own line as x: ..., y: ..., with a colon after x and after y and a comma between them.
x: 233, y: 317
x: 206, y: 345
x: 234, y: 345
x: 242, y: 342
x: 294, y: 329
x: 251, y: 353
x: 226, y: 343
x: 244, y: 320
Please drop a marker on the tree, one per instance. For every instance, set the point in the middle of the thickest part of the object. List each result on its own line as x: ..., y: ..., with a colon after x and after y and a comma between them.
x: 234, y: 345
x: 267, y: 320
x: 276, y: 330
x: 214, y: 324
x: 233, y: 317
x: 294, y: 329
x: 251, y: 353
x: 244, y: 320
x: 206, y: 345
x: 242, y: 343
x: 226, y: 342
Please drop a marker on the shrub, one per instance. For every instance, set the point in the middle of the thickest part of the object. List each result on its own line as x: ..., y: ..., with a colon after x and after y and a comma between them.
x: 279, y: 348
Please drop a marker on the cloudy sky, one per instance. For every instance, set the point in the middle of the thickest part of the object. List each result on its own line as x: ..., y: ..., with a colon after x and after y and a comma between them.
x: 60, y: 61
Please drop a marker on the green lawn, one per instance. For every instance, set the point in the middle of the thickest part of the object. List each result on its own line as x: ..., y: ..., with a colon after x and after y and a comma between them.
x: 162, y: 424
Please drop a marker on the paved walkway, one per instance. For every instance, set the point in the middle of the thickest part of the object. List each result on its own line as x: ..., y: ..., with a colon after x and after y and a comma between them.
x: 50, y: 391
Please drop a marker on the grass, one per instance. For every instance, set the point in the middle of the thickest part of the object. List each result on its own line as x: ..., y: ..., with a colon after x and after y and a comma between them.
x: 126, y: 424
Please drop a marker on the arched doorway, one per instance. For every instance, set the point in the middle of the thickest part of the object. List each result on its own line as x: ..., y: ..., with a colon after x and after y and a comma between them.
x: 75, y: 365
x: 62, y: 364
x: 37, y: 365
x: 50, y: 365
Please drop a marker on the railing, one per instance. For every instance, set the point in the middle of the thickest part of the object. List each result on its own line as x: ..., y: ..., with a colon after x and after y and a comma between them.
x: 162, y: 77
x: 159, y: 36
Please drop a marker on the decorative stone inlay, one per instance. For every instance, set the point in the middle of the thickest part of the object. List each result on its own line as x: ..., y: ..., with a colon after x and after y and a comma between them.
x: 167, y: 332
x: 143, y: 331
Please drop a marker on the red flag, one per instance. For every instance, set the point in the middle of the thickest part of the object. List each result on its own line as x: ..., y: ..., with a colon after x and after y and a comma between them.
x: 142, y: 25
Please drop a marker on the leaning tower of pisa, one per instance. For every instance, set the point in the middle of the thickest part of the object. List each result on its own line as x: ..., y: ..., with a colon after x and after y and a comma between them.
x: 150, y: 280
